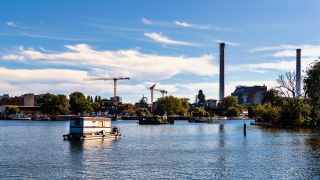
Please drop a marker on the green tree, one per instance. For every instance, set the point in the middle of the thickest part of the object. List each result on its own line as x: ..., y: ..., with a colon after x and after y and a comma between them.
x: 273, y: 97
x: 52, y: 104
x: 199, y: 112
x: 312, y: 90
x: 170, y: 105
x: 13, y: 110
x: 79, y: 103
x: 184, y: 108
x: 142, y: 112
x: 231, y: 103
x: 95, y: 106
x: 232, y: 112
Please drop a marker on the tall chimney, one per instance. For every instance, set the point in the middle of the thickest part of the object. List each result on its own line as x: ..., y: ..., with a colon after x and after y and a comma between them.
x: 221, y: 77
x: 298, y: 73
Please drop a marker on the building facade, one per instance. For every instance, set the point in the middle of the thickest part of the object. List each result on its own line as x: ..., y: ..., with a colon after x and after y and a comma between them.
x: 250, y: 94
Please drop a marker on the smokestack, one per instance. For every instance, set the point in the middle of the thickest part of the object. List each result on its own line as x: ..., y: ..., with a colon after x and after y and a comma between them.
x: 221, y: 77
x: 298, y: 73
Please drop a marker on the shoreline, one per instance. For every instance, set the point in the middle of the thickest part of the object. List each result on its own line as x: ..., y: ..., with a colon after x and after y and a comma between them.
x: 283, y: 127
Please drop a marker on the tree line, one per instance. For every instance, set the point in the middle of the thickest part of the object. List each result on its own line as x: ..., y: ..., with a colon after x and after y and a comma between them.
x: 77, y: 103
x: 281, y: 106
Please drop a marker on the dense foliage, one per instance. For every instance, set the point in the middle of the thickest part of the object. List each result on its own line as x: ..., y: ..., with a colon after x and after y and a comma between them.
x: 79, y: 103
x: 230, y: 106
x: 142, y: 112
x: 52, y: 104
x: 312, y: 91
x: 172, y: 106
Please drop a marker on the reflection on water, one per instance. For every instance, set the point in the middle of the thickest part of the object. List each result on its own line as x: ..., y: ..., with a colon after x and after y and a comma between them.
x: 179, y: 151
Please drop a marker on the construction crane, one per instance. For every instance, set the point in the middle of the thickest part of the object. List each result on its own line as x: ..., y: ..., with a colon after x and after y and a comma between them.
x: 115, y: 82
x: 152, y: 89
x: 161, y: 91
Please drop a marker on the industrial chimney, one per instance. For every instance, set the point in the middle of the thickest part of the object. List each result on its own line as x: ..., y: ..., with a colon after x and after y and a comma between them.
x: 298, y: 73
x: 221, y: 85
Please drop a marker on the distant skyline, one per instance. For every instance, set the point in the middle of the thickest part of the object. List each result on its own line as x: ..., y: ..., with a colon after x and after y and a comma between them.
x: 51, y: 46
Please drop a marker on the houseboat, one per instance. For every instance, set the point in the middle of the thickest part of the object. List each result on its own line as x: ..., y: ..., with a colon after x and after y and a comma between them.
x: 82, y: 128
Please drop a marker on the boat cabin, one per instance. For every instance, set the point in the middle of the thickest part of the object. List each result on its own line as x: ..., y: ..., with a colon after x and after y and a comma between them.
x: 89, y: 125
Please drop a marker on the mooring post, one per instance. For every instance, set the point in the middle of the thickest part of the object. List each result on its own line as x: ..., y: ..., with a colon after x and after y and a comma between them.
x: 244, y: 128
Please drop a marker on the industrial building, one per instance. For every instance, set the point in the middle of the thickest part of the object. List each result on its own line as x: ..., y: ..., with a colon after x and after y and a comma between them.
x: 109, y: 105
x: 25, y: 103
x: 250, y: 94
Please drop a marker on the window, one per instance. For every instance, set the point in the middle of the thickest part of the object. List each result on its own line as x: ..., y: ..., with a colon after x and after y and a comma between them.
x: 77, y: 123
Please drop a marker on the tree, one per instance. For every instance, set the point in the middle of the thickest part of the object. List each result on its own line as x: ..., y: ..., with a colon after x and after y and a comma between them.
x: 232, y: 112
x: 170, y: 105
x: 142, y: 112
x: 286, y: 84
x: 63, y: 104
x: 52, y: 104
x: 13, y: 110
x: 199, y: 112
x: 229, y: 102
x: 272, y: 96
x: 184, y: 108
x: 79, y: 103
x: 312, y: 90
x: 95, y: 106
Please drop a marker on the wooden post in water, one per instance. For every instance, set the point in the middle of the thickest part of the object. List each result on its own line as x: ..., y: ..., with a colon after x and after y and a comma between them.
x: 244, y: 128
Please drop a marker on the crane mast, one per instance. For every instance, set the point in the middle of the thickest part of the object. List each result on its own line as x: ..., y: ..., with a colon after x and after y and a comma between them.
x: 115, y: 84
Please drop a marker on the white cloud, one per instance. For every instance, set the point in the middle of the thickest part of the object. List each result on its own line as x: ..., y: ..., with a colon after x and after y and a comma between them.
x: 146, y: 21
x: 268, y: 66
x: 166, y: 40
x: 270, y: 48
x: 306, y: 51
x: 13, y: 57
x: 183, y: 24
x: 130, y: 63
x: 290, y: 50
x: 11, y: 24
x: 227, y: 42
x: 199, y: 26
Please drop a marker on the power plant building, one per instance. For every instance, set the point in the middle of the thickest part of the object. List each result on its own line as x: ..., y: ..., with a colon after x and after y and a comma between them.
x: 250, y: 94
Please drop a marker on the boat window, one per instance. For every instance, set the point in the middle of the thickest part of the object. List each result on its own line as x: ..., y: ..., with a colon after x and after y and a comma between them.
x: 77, y: 123
x: 93, y: 122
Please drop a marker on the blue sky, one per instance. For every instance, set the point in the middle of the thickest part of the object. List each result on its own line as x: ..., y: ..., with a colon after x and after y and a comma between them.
x: 52, y: 46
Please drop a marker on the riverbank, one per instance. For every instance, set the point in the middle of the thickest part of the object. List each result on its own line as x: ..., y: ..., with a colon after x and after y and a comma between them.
x: 284, y: 127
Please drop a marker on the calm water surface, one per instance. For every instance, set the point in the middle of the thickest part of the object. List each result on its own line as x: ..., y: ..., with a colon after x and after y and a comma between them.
x: 179, y: 151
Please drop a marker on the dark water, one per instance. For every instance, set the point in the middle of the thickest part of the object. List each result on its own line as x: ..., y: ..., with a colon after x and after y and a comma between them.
x: 180, y: 151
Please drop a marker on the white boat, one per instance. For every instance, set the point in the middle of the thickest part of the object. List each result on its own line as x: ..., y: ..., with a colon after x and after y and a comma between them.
x: 82, y: 128
x: 19, y: 117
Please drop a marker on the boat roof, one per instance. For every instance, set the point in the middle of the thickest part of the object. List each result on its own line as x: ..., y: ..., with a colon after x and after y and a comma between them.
x: 92, y: 118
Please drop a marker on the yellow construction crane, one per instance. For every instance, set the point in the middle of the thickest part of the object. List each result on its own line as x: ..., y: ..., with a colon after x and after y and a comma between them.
x: 152, y: 89
x: 115, y: 82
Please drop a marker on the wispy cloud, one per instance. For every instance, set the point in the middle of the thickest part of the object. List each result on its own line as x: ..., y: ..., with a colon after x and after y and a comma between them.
x: 284, y: 51
x: 278, y: 47
x: 200, y: 26
x: 183, y: 24
x: 227, y: 42
x: 123, y: 62
x: 146, y: 21
x: 57, y: 37
x: 11, y: 24
x: 158, y: 37
x: 270, y: 66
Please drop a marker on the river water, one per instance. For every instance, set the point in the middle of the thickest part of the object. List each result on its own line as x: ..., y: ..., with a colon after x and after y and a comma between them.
x: 180, y: 151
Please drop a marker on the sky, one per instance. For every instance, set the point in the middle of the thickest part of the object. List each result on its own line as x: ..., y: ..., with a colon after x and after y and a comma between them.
x: 52, y: 46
